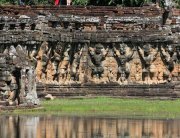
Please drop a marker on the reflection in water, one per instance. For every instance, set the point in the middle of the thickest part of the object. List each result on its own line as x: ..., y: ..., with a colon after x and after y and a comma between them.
x: 86, y: 127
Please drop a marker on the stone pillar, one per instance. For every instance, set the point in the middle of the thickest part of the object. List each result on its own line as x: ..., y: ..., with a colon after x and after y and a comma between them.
x: 23, y: 85
x: 32, y: 95
x: 84, y: 64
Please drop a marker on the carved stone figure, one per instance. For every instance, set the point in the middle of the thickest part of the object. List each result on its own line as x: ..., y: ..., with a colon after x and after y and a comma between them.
x: 8, y: 82
x: 64, y: 65
x: 56, y: 58
x: 33, y: 55
x: 97, y: 55
x: 123, y: 63
x: 43, y: 58
x: 76, y: 63
x: 147, y: 59
x: 31, y: 97
x: 169, y: 57
x: 110, y: 66
x: 14, y: 80
x: 15, y: 76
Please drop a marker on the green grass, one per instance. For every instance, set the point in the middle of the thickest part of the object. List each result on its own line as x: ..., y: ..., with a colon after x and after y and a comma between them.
x: 109, y: 107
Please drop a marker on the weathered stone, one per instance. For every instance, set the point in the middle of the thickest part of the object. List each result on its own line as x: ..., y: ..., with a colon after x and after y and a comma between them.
x: 90, y: 50
x: 49, y: 97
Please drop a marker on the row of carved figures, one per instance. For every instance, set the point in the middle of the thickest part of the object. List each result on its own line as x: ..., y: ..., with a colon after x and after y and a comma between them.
x: 123, y: 63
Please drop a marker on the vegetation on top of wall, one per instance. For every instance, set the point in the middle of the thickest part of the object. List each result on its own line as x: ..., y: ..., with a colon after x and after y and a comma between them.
x: 111, y: 2
x: 126, y: 3
x: 80, y: 2
x: 177, y: 2
x: 118, y: 2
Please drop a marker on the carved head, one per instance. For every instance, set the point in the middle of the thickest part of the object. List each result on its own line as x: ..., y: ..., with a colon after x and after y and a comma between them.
x: 98, y: 51
x: 122, y: 48
x: 170, y: 49
x: 69, y: 45
x: 79, y: 47
x: 147, y: 49
x: 34, y: 47
x: 44, y: 46
x: 59, y: 48
x: 98, y: 48
x: 19, y: 47
x: 12, y: 50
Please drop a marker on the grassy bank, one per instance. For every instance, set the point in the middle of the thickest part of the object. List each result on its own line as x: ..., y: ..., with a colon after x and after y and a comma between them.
x: 109, y: 107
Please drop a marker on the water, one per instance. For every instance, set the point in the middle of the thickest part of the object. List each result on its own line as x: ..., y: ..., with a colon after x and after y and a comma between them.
x: 86, y: 127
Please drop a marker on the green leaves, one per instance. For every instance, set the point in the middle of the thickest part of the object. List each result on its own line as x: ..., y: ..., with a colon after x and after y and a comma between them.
x: 128, y: 3
x: 80, y: 2
x: 177, y: 3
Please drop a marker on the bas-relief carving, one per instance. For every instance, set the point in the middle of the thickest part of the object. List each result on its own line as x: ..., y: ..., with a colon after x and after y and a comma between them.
x: 55, y: 60
x: 97, y: 55
x: 42, y: 61
x: 64, y: 66
x: 17, y: 75
x: 75, y: 68
x: 170, y: 57
x: 148, y: 54
x: 123, y: 58
x: 66, y: 63
x: 110, y: 66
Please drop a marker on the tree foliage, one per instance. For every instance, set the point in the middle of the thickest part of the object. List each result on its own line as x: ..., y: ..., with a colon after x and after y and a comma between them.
x: 127, y: 3
x: 130, y: 3
x: 177, y: 2
x: 80, y: 2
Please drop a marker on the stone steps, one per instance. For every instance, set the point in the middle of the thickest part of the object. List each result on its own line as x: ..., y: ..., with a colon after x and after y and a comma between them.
x: 165, y: 90
x: 177, y: 90
x: 3, y: 103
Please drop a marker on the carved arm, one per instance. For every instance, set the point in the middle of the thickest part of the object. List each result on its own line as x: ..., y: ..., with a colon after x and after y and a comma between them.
x: 91, y: 51
x: 140, y: 52
x: 105, y: 52
x: 129, y: 57
x: 164, y: 55
x: 155, y: 54
x: 80, y: 53
x: 116, y: 52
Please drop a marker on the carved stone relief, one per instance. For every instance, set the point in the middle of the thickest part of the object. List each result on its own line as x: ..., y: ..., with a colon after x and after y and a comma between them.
x: 17, y: 76
x: 66, y: 63
x: 123, y: 63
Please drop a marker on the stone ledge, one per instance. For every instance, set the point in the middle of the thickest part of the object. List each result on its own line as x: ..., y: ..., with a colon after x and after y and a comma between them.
x: 144, y: 90
x: 81, y: 10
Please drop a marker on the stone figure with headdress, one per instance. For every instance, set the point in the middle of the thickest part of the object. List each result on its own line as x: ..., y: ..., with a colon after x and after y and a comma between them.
x: 147, y: 58
x: 76, y: 63
x: 123, y: 59
x: 97, y: 55
x: 64, y: 65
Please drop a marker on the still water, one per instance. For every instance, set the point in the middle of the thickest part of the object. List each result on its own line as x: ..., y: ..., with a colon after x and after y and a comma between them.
x: 86, y: 127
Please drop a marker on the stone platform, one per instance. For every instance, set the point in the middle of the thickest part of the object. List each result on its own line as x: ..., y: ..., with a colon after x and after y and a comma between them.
x: 80, y: 51
x: 111, y: 90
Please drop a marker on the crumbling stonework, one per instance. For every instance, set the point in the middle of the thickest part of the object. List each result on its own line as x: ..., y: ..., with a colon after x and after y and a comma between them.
x: 120, y: 50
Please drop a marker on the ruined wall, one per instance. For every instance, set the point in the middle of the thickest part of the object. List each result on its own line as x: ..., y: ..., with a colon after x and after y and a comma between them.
x: 85, y: 50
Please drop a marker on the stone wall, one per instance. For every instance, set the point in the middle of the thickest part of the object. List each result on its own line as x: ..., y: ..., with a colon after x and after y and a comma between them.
x: 97, y: 50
